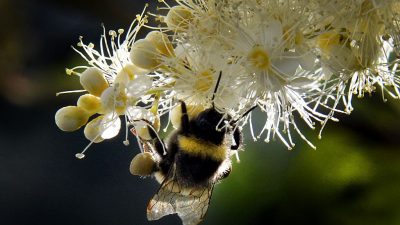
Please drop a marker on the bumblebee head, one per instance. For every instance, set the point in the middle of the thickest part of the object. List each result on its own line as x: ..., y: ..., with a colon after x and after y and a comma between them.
x: 206, y: 126
x: 209, y: 119
x: 209, y: 125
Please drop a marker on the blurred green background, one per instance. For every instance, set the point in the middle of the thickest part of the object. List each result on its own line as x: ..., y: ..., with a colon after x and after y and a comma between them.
x: 353, y: 177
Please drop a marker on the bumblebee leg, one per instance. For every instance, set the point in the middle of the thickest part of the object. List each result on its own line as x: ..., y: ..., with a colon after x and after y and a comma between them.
x: 225, y: 174
x: 184, y: 118
x: 143, y: 164
x: 157, y: 142
x: 237, y: 137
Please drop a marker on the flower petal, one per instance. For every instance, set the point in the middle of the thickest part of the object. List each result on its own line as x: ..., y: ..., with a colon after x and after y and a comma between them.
x: 111, y: 126
x: 286, y: 66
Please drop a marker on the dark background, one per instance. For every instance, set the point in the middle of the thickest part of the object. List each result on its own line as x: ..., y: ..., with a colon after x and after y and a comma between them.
x: 353, y: 177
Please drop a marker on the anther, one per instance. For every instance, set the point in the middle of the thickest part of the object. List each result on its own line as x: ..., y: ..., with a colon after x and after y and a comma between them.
x: 79, y: 155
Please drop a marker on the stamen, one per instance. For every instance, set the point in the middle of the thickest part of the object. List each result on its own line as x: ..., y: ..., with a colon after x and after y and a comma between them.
x: 251, y: 128
x: 81, y: 155
x: 69, y: 92
x: 126, y: 141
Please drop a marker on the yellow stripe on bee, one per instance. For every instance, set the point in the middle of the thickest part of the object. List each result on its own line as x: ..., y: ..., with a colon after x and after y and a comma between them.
x: 197, y: 147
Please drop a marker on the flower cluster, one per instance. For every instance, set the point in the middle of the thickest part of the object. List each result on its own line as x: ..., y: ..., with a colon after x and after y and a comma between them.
x: 296, y: 60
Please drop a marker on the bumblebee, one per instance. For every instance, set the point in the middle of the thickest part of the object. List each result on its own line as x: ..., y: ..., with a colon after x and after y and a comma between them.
x: 195, y: 157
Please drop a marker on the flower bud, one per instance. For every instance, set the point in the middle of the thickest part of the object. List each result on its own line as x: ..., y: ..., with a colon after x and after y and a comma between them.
x: 161, y: 42
x: 93, y: 130
x: 90, y: 103
x: 71, y: 118
x: 93, y: 80
x: 142, y: 164
x: 178, y: 18
x: 144, y: 54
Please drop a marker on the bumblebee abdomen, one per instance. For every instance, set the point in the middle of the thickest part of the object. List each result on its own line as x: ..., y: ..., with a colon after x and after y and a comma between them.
x: 198, y: 160
x: 194, y: 170
x: 201, y: 148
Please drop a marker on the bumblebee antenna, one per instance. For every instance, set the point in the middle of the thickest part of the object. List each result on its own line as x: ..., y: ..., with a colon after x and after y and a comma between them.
x: 248, y: 111
x: 216, y: 88
x: 243, y: 115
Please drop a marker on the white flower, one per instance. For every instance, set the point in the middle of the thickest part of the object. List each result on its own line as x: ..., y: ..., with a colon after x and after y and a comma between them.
x: 356, y: 51
x: 271, y: 75
x: 298, y: 60
x: 115, y: 85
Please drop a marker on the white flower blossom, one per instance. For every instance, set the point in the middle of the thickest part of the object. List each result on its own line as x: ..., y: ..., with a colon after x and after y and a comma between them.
x: 297, y: 61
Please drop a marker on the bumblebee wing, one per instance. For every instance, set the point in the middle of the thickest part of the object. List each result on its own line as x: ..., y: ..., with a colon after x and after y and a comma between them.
x: 161, y: 203
x: 193, y: 207
x: 190, y: 204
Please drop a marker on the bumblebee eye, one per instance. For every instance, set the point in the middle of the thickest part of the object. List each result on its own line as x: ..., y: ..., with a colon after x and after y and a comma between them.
x: 204, y: 124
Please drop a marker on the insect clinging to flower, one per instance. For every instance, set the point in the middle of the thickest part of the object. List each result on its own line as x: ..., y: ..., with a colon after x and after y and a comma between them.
x: 195, y: 157
x: 205, y: 67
